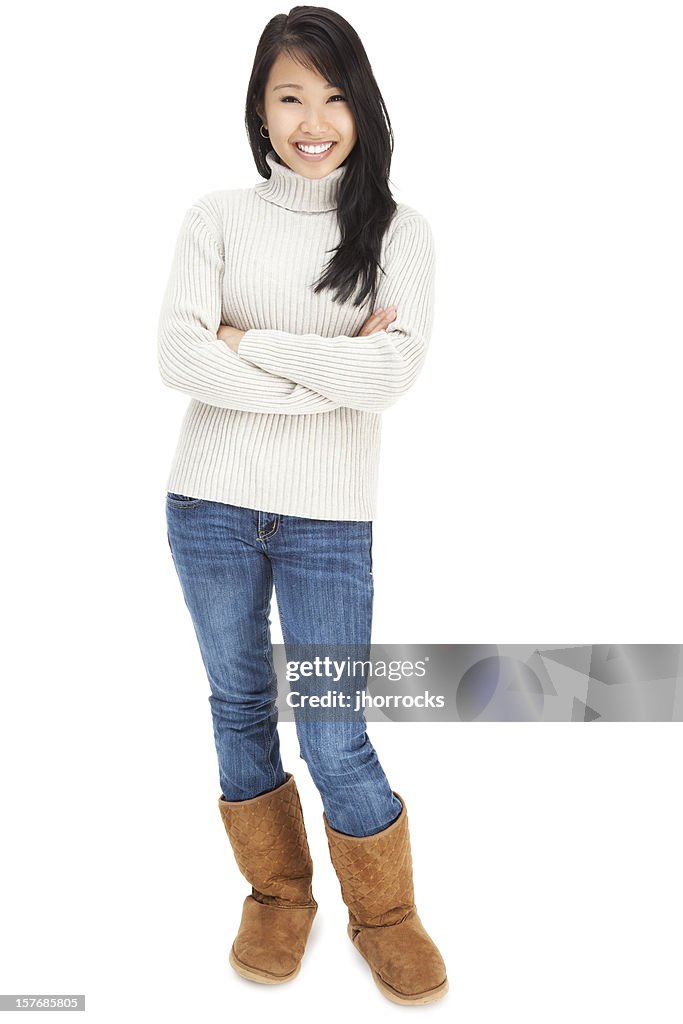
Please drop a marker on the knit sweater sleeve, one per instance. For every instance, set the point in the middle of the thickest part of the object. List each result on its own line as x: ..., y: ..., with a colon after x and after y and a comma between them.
x: 192, y: 359
x: 367, y: 373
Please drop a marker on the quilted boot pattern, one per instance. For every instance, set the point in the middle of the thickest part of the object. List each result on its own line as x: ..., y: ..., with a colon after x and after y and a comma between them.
x: 376, y: 878
x: 268, y: 839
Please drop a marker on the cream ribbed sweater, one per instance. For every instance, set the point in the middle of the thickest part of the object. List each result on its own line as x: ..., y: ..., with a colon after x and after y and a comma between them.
x: 291, y: 422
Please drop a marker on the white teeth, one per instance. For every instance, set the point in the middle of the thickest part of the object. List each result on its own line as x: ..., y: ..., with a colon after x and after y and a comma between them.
x: 314, y: 149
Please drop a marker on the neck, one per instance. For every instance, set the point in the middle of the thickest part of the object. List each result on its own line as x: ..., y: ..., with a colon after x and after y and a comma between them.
x: 295, y: 191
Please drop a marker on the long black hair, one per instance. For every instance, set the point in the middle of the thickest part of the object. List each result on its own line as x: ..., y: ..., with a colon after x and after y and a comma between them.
x: 320, y: 39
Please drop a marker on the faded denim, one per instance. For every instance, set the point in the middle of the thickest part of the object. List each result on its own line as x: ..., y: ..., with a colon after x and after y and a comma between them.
x: 229, y: 559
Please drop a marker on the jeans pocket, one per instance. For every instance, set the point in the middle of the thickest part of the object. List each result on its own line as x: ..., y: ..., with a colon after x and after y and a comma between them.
x: 182, y: 500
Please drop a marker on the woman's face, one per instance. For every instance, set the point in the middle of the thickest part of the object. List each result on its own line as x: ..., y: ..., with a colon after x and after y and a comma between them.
x: 301, y: 107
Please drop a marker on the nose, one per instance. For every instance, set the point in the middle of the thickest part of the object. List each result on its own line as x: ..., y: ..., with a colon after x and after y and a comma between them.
x: 313, y: 124
x: 313, y: 129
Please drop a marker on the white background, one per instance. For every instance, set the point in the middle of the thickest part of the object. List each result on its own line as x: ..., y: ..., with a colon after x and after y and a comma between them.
x: 530, y: 491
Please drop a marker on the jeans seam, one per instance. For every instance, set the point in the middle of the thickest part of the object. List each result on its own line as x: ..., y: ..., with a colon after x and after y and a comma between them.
x: 268, y: 740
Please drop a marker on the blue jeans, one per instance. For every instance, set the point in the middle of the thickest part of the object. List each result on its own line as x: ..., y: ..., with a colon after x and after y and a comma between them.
x: 228, y: 558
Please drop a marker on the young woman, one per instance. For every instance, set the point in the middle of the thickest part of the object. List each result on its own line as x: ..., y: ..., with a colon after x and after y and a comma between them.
x: 296, y: 311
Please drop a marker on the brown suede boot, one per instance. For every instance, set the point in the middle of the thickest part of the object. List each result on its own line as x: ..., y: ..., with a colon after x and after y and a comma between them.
x: 376, y: 877
x: 268, y: 838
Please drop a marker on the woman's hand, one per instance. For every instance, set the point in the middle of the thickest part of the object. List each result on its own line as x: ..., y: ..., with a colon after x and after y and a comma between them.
x: 379, y: 321
x: 231, y: 336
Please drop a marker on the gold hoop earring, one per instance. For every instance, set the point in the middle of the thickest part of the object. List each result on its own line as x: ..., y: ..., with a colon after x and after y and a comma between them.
x: 261, y: 131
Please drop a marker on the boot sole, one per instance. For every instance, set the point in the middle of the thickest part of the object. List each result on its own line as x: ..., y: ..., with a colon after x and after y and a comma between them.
x: 391, y: 993
x: 263, y: 977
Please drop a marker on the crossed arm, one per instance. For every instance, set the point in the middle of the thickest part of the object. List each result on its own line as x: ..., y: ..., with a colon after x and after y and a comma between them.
x: 281, y: 372
x: 232, y: 336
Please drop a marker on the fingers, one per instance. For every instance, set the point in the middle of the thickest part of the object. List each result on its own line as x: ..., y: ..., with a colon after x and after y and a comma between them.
x: 381, y: 316
x: 387, y: 313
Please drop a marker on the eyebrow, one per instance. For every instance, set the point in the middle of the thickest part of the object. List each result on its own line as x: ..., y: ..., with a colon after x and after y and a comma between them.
x: 293, y: 85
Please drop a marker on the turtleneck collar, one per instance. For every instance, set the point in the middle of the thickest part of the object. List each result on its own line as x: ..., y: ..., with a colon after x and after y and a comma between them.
x: 294, y: 191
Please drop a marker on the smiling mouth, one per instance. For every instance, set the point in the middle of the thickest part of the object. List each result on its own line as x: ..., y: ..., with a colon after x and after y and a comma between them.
x: 314, y: 148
